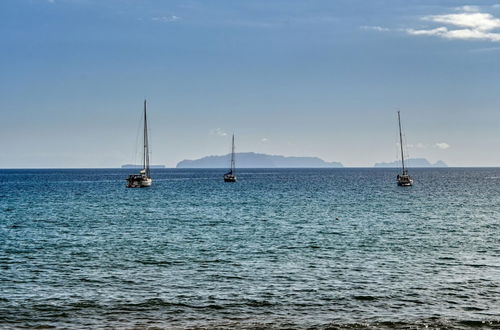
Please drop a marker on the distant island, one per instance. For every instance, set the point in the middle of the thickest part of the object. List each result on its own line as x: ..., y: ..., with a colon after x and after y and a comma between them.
x: 413, y: 162
x: 256, y: 160
x: 140, y: 166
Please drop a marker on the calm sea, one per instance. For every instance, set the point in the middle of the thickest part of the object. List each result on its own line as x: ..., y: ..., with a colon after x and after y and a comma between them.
x: 282, y: 248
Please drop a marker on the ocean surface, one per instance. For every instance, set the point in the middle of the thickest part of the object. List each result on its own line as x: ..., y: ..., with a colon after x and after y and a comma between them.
x: 281, y: 248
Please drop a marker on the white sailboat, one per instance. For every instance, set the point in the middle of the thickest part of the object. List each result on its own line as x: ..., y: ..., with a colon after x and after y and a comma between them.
x: 143, y: 179
x: 403, y: 179
x: 231, y: 175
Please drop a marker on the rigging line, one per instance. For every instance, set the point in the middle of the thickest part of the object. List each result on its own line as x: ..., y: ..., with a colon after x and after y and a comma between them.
x: 407, y: 154
x: 396, y: 149
x: 398, y: 143
x: 138, y: 130
x: 145, y: 143
x: 233, y: 155
x: 150, y: 149
x: 401, y: 143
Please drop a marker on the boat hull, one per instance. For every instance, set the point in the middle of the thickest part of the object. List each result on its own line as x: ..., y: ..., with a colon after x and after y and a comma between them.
x: 146, y: 183
x: 404, y: 181
x: 229, y: 178
x: 139, y: 182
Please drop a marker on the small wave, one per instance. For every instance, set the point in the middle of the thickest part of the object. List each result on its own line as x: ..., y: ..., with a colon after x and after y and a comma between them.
x: 158, y: 302
x: 413, y: 301
x: 401, y: 325
x: 48, y: 308
x: 473, y: 308
x: 476, y: 265
x: 89, y: 280
x: 159, y: 262
x: 83, y: 304
x: 258, y: 303
x: 366, y: 298
x: 418, y: 324
x: 477, y: 323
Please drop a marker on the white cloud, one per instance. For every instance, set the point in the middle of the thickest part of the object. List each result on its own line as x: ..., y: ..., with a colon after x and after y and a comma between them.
x: 442, y: 145
x: 475, y: 21
x: 166, y: 19
x: 374, y: 28
x: 468, y: 8
x: 419, y: 145
x: 464, y: 34
x: 218, y: 132
x: 468, y: 25
x: 264, y: 140
x: 434, y: 32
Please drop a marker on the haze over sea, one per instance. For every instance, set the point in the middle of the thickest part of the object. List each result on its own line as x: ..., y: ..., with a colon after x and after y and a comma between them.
x: 280, y: 248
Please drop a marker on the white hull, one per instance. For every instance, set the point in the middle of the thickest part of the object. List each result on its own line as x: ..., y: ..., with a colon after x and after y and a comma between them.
x: 138, y: 182
x: 229, y: 178
x: 405, y: 182
x: 147, y: 182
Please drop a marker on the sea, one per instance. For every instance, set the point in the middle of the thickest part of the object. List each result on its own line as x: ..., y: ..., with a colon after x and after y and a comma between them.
x: 335, y: 248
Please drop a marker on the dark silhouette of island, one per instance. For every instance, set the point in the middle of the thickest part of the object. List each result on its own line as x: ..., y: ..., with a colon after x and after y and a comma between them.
x: 140, y: 166
x: 413, y: 162
x: 255, y: 160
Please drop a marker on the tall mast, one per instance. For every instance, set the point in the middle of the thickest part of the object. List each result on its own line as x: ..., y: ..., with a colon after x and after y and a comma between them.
x: 401, y: 144
x: 232, y: 156
x: 146, y: 147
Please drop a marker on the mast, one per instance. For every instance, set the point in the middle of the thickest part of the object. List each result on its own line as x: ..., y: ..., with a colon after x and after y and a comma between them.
x: 232, y: 156
x: 146, y: 147
x: 401, y: 144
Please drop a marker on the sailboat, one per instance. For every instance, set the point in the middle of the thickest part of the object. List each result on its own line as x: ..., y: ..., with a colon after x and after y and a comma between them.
x: 231, y: 175
x: 143, y: 179
x: 403, y: 179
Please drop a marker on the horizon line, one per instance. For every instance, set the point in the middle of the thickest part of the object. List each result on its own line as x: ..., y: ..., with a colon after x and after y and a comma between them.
x: 209, y: 168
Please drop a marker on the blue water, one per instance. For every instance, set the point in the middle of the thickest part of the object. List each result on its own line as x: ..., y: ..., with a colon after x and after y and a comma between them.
x: 318, y: 248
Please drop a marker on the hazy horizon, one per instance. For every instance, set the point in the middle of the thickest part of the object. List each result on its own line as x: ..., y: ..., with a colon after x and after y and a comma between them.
x: 320, y: 79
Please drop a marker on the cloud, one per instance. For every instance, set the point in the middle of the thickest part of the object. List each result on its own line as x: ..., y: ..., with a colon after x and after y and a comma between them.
x: 264, y: 140
x: 468, y: 8
x: 166, y: 19
x: 476, y: 21
x: 434, y: 32
x: 442, y: 145
x: 464, y: 34
x: 218, y: 132
x: 468, y: 25
x: 374, y: 28
x: 419, y: 145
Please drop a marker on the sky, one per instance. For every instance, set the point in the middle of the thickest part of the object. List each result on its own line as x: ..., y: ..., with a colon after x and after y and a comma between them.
x: 297, y: 78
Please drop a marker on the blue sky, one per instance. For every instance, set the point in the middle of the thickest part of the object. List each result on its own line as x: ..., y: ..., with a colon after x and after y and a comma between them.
x: 306, y: 78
